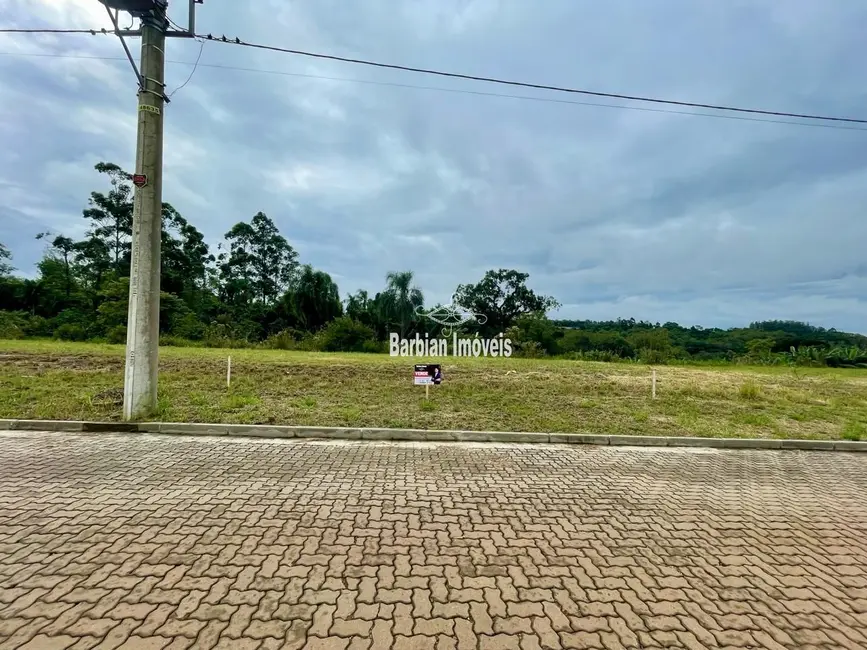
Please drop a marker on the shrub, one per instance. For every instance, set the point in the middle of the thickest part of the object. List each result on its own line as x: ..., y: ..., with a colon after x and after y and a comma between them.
x: 749, y: 390
x: 223, y: 336
x: 375, y: 347
x: 11, y: 325
x: 284, y: 340
x: 651, y: 356
x: 116, y: 334
x: 70, y: 332
x: 345, y: 335
x: 854, y: 431
x: 602, y: 355
x: 37, y: 326
x: 188, y: 327
x: 529, y: 350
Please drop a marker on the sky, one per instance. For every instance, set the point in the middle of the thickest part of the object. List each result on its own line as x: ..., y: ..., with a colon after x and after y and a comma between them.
x: 614, y: 211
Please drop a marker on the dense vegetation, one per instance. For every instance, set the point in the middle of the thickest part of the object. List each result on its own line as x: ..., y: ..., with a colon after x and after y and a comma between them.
x: 254, y: 291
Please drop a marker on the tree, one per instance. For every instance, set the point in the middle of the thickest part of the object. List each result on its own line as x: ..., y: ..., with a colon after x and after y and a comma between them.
x: 185, y: 257
x: 314, y: 299
x: 111, y: 216
x: 62, y: 249
x: 536, y: 328
x: 501, y: 296
x: 260, y: 263
x: 401, y: 300
x: 93, y: 262
x: 358, y: 307
x: 5, y: 256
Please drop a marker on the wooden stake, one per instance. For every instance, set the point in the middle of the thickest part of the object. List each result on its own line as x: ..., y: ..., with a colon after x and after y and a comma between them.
x: 229, y: 374
x: 654, y: 384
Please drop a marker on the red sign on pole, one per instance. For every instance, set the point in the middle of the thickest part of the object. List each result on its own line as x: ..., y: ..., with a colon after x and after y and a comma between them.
x: 139, y: 180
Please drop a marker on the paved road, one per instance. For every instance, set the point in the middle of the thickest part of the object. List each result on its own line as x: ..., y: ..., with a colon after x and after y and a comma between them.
x: 166, y: 542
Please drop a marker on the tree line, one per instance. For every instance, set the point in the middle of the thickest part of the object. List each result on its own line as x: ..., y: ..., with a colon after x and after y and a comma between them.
x: 253, y: 290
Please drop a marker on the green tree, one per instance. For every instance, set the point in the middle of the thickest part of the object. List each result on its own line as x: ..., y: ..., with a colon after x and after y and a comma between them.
x: 62, y: 250
x: 358, y: 307
x: 5, y: 256
x: 314, y: 299
x: 536, y: 328
x: 501, y: 296
x: 185, y: 260
x: 260, y: 263
x: 111, y: 216
x: 401, y: 300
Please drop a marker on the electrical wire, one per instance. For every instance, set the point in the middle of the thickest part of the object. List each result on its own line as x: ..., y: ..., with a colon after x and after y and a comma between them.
x: 193, y: 71
x: 493, y: 80
x: 457, y: 90
x: 455, y: 75
x: 54, y: 31
x: 462, y: 91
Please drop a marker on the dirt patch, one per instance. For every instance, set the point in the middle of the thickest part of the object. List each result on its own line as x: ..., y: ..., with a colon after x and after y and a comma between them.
x: 74, y: 362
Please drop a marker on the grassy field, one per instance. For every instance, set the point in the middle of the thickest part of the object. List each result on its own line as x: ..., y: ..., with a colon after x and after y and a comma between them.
x: 48, y: 380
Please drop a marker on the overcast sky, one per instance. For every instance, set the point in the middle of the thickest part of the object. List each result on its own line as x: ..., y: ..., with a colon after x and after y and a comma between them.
x: 615, y: 212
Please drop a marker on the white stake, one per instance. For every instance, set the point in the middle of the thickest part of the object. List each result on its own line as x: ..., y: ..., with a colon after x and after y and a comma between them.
x: 654, y: 383
x: 229, y: 374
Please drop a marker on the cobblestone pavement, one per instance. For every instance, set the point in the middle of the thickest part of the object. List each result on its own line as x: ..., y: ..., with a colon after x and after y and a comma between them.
x: 140, y: 541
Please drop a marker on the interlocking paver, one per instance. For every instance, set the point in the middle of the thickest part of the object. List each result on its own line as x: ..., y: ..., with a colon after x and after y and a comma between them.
x: 114, y: 541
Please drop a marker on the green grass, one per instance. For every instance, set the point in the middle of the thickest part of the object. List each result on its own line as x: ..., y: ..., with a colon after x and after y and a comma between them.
x: 53, y: 380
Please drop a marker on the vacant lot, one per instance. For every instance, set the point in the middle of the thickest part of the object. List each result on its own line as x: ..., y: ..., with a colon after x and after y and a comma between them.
x: 85, y: 381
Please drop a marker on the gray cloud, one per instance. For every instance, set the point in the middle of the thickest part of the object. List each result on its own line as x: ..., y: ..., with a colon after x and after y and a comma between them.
x: 616, y: 212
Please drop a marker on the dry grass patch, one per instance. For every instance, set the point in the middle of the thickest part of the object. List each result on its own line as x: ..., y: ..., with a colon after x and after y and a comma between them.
x: 85, y: 381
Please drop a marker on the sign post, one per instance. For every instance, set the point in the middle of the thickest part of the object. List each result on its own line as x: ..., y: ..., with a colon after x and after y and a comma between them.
x: 426, y: 374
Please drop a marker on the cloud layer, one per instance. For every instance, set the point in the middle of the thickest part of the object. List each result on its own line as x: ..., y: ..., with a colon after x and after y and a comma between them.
x: 616, y: 212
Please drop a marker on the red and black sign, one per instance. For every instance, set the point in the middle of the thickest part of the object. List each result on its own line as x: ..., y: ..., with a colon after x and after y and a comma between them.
x: 427, y: 373
x: 139, y: 180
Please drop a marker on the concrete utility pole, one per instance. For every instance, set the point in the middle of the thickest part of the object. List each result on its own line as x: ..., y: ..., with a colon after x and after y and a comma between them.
x: 143, y: 324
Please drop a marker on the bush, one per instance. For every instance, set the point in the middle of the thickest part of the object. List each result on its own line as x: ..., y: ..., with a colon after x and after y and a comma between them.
x: 37, y: 326
x: 11, y: 325
x: 70, y: 332
x: 116, y: 334
x: 375, y: 347
x: 651, y: 356
x: 529, y: 350
x: 749, y: 390
x: 602, y: 355
x: 188, y: 327
x: 285, y: 340
x: 346, y: 335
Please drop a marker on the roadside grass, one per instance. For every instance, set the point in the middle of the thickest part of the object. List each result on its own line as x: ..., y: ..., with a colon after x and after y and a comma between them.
x: 54, y: 380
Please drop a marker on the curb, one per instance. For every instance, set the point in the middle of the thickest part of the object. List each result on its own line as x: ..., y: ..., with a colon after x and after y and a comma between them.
x: 423, y: 435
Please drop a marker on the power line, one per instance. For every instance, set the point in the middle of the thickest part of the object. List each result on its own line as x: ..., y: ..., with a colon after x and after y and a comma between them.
x: 462, y: 91
x: 193, y: 71
x: 54, y: 31
x: 455, y: 75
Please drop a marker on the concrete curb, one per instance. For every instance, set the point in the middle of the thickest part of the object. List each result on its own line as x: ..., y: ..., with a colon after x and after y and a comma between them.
x: 423, y: 435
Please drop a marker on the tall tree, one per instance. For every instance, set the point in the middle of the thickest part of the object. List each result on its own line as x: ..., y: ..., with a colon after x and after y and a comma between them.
x: 260, y: 263
x: 111, y: 216
x: 62, y: 250
x: 5, y: 256
x: 401, y: 300
x: 185, y: 256
x: 502, y: 296
x: 315, y: 299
